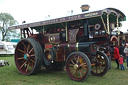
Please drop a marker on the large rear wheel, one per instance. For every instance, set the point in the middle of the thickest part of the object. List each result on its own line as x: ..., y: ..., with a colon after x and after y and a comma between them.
x: 28, y: 56
x: 78, y: 66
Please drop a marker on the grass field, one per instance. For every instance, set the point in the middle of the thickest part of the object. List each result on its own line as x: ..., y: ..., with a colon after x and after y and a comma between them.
x: 9, y: 75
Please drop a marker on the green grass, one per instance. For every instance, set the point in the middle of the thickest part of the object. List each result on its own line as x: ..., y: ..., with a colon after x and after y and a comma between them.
x: 9, y: 75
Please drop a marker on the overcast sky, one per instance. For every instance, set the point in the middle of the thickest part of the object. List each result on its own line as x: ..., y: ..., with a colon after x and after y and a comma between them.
x: 38, y: 10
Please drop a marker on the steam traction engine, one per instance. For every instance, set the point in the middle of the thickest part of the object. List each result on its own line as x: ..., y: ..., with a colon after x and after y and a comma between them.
x: 72, y: 41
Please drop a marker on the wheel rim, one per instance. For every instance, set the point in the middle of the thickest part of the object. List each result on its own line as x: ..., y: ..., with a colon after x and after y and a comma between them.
x: 77, y: 67
x: 26, y: 56
x: 100, y: 64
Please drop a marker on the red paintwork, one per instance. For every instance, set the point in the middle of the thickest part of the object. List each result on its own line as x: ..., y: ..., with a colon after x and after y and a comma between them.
x: 60, y: 56
x: 48, y: 46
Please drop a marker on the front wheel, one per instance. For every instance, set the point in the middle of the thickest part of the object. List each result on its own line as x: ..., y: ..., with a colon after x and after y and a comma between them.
x: 78, y: 66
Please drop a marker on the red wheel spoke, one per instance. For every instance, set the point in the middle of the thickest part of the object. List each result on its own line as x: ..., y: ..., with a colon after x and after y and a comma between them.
x: 71, y: 69
x: 20, y: 58
x: 31, y: 50
x: 80, y: 73
x: 32, y: 55
x: 71, y: 65
x: 74, y: 72
x: 84, y: 64
x: 24, y: 46
x: 32, y: 60
x: 80, y: 60
x: 31, y: 65
x: 28, y: 47
x: 21, y: 51
x: 72, y: 62
x: 27, y: 67
x: 77, y: 60
x: 23, y: 64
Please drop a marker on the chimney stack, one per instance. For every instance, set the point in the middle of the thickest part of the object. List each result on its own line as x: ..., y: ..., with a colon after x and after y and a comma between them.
x: 85, y: 7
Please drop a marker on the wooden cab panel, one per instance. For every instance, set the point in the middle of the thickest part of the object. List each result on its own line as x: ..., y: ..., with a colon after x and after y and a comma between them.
x: 72, y: 35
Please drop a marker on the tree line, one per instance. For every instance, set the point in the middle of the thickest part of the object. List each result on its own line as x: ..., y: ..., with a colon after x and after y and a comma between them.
x: 7, y: 20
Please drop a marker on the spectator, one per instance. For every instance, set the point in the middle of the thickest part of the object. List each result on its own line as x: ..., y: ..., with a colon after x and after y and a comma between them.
x: 121, y: 59
x: 116, y: 56
x: 121, y: 51
x: 126, y: 53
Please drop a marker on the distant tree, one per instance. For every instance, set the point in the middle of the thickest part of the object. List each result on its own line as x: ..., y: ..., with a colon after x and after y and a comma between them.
x: 12, y: 34
x: 7, y: 20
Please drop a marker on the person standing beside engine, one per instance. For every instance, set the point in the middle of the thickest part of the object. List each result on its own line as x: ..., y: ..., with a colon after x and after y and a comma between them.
x: 121, y: 50
x: 126, y: 53
x: 116, y: 56
x: 121, y: 60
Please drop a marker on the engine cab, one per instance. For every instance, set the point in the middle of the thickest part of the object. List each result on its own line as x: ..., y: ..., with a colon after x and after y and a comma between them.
x: 70, y: 41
